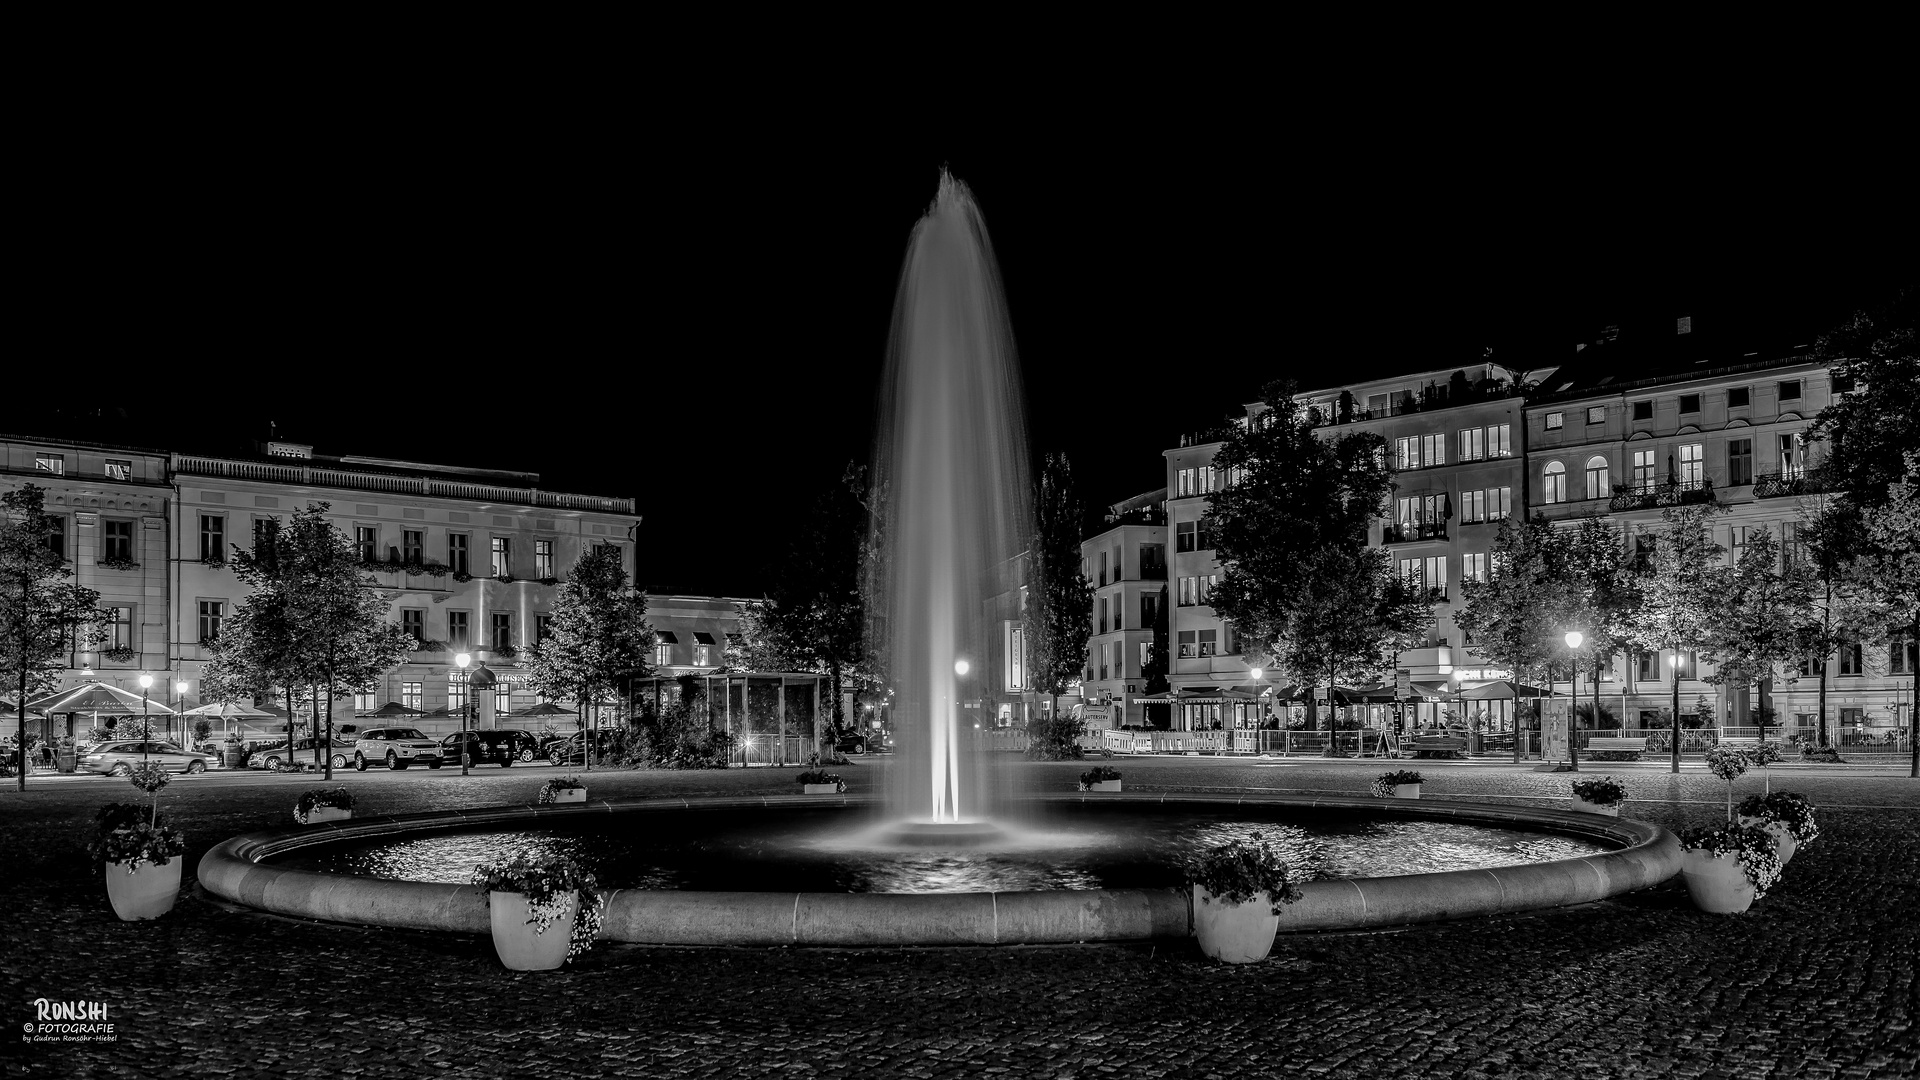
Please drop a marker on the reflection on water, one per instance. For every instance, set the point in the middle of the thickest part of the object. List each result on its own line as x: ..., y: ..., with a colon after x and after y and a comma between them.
x: 1111, y: 847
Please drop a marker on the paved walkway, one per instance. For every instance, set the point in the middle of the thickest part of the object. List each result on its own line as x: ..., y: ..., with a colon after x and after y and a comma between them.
x: 1817, y: 981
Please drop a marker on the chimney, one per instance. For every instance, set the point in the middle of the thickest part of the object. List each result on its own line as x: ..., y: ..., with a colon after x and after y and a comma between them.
x: 1683, y: 325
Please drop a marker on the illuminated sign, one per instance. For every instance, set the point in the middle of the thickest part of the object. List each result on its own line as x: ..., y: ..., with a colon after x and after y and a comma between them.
x: 1481, y: 674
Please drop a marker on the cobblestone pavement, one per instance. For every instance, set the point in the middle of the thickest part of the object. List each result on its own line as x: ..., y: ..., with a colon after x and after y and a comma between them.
x: 1818, y: 980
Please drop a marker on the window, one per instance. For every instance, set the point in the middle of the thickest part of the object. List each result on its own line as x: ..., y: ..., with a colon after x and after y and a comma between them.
x: 1473, y: 444
x: 1406, y: 453
x: 1737, y: 397
x: 50, y: 463
x: 1553, y: 483
x: 456, y: 690
x: 119, y: 469
x: 664, y: 641
x: 264, y: 530
x: 502, y: 638
x: 366, y: 539
x: 1103, y: 569
x: 1792, y: 459
x: 1596, y: 478
x: 457, y: 553
x: 1101, y: 625
x: 213, y: 538
x: 414, y: 621
x: 1790, y: 390
x: 1146, y: 655
x: 118, y: 541
x: 540, y: 625
x: 1736, y: 543
x: 1105, y: 667
x: 413, y: 546
x: 1499, y: 503
x: 543, y: 559
x: 1647, y: 666
x: 1850, y: 660
x: 1643, y: 410
x: 1693, y: 466
x: 1792, y: 548
x: 1119, y: 605
x: 1153, y: 562
x: 1643, y: 469
x: 1202, y: 540
x: 1425, y: 574
x: 410, y: 695
x: 1902, y: 657
x: 57, y: 535
x: 1473, y: 506
x: 1433, y: 449
x: 1207, y: 582
x: 703, y: 644
x: 1689, y: 403
x: 457, y: 630
x: 1149, y: 610
x: 1183, y: 535
x: 502, y: 556
x: 1554, y: 420
x: 1643, y: 550
x: 502, y: 698
x: 1183, y: 482
x: 119, y: 627
x: 1689, y: 666
x: 211, y: 612
x: 1187, y: 644
x: 1209, y: 642
x: 365, y: 702
x: 1209, y: 479
x: 1473, y: 566
x: 1739, y: 461
x: 1499, y: 440
x: 1596, y: 414
x: 1189, y: 591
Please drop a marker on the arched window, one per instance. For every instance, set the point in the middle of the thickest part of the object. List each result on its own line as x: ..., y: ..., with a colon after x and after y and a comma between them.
x: 1596, y: 478
x: 1554, y: 488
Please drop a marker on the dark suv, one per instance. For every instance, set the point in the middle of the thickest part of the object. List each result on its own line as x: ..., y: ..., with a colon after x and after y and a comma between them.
x: 502, y: 747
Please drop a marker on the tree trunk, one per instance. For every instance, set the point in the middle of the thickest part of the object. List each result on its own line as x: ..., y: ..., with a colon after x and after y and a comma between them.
x: 314, y: 733
x: 591, y: 723
x: 289, y: 722
x: 1676, y: 709
x: 1826, y: 629
x: 21, y: 704
x: 326, y: 749
x: 1913, y: 707
x: 838, y: 714
x: 1820, y: 719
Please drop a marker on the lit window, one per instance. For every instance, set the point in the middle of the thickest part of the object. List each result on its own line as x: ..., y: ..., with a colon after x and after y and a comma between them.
x: 410, y: 695
x: 413, y: 546
x: 1406, y: 453
x: 1553, y: 483
x: 1186, y: 644
x: 211, y: 612
x: 1473, y: 566
x: 1499, y: 440
x: 1596, y: 478
x: 1473, y: 506
x: 213, y: 538
x: 1433, y: 449
x: 1596, y: 414
x: 119, y: 469
x: 1643, y: 469
x: 366, y: 538
x: 1693, y: 466
x: 1554, y: 420
x: 119, y: 628
x: 502, y: 557
x: 1209, y: 642
x: 543, y: 559
x: 50, y: 463
x: 1473, y: 444
x: 457, y: 553
x: 1499, y: 503
x: 457, y: 630
x: 364, y: 703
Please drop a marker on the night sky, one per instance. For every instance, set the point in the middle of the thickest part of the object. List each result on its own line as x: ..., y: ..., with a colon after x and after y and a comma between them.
x: 695, y: 313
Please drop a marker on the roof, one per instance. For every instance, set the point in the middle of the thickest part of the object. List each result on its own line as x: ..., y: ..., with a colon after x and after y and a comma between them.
x: 1628, y: 363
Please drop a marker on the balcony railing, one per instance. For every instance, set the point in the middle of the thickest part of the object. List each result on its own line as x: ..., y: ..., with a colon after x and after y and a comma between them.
x: 1660, y: 493
x: 1153, y: 572
x: 1407, y: 531
x: 1786, y: 483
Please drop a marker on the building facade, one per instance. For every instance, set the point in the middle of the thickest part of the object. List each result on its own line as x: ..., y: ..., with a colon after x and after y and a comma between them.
x: 1127, y: 565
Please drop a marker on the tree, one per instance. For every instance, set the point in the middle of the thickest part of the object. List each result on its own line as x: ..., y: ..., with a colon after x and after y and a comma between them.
x: 1680, y: 592
x: 597, y: 636
x: 1843, y: 608
x: 43, y: 613
x: 1160, y: 653
x: 1605, y: 593
x: 1872, y: 441
x: 1059, y: 599
x: 1291, y: 529
x: 1758, y: 624
x: 1516, y: 616
x: 1890, y: 564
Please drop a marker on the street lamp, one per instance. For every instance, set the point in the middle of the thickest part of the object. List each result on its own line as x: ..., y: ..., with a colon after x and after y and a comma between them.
x: 1673, y: 665
x: 1574, y: 638
x: 145, y: 732
x: 462, y: 661
x: 180, y: 706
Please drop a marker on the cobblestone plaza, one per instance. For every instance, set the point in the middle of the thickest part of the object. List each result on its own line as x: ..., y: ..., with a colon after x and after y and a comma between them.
x: 1818, y: 980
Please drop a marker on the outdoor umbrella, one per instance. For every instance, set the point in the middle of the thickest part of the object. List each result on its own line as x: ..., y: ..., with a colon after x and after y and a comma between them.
x: 98, y: 697
x: 1501, y: 691
x: 231, y: 711
x: 545, y: 708
x: 1432, y: 691
x: 391, y: 710
x: 1371, y: 695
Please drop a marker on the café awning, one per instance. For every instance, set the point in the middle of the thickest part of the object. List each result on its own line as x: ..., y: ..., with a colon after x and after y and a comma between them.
x: 1504, y: 690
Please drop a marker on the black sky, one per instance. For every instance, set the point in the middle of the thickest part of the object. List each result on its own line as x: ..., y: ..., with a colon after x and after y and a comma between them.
x: 694, y: 311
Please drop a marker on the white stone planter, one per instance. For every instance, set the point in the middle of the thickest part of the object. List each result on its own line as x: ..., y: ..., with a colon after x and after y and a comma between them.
x: 1101, y: 785
x: 570, y: 795
x: 519, y: 948
x: 329, y: 813
x: 1583, y: 806
x: 1784, y: 842
x: 1234, y: 933
x: 1716, y: 883
x: 147, y: 893
x: 1406, y: 791
x: 819, y: 789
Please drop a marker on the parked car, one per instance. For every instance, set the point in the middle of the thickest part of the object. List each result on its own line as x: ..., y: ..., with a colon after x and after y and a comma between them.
x: 119, y: 758
x: 275, y: 756
x: 398, y: 747
x: 502, y: 747
x: 572, y: 749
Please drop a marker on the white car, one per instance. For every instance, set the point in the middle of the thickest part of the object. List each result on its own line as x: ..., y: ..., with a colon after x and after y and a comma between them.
x: 397, y: 748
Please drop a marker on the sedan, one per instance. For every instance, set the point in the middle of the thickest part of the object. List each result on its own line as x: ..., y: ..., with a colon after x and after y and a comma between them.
x: 119, y: 758
x: 276, y: 757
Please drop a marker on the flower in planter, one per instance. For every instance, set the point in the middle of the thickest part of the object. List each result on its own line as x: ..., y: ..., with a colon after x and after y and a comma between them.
x: 316, y: 797
x: 132, y: 834
x: 821, y: 777
x: 1603, y: 791
x: 558, y: 784
x: 1232, y: 873
x: 1787, y: 808
x: 1750, y: 844
x: 1384, y: 784
x: 548, y: 883
x: 1099, y: 774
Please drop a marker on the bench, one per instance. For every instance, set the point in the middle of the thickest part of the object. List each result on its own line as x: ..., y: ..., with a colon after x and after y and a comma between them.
x: 1441, y: 745
x: 1740, y: 742
x: 1631, y: 749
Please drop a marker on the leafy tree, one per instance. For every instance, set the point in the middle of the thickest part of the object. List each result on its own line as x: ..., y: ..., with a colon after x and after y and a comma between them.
x: 43, y: 612
x: 1843, y: 606
x: 1872, y: 438
x: 1680, y: 592
x: 1517, y: 616
x: 1291, y: 531
x: 597, y: 636
x: 1758, y: 625
x: 1890, y: 564
x: 1059, y: 599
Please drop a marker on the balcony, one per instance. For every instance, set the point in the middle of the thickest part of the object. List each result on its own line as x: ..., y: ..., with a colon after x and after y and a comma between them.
x: 1408, y: 531
x: 1785, y: 484
x: 1153, y: 572
x: 1659, y: 493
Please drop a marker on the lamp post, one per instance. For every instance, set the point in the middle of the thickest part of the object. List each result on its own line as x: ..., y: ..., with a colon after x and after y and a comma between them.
x: 180, y: 707
x: 146, y: 732
x: 1574, y: 638
x: 1673, y: 663
x: 462, y: 661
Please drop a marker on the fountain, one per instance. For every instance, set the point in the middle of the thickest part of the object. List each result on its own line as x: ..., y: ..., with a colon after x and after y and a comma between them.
x: 951, y: 473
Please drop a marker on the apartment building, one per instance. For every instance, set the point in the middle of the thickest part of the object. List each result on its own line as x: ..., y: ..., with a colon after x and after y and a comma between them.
x: 1126, y: 562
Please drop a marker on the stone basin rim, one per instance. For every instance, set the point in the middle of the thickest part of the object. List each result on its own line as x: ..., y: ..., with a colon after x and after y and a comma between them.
x: 1646, y: 856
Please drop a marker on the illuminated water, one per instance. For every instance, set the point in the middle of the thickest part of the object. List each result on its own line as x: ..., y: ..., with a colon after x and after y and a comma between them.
x: 1118, y: 846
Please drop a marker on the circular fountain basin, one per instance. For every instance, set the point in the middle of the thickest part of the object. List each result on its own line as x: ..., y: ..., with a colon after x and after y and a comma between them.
x: 1638, y: 855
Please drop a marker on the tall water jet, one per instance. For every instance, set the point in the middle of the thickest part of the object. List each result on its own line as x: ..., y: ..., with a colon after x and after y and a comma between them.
x: 951, y: 475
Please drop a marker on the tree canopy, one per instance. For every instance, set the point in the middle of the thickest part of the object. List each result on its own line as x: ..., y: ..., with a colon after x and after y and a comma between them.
x: 1059, y: 599
x: 597, y: 635
x: 44, y: 613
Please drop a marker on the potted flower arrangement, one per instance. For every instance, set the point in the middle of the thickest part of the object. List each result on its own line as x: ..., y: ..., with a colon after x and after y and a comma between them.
x: 544, y: 910
x: 1238, y: 891
x: 139, y: 850
x: 563, y: 789
x: 1728, y: 765
x: 820, y: 782
x: 323, y: 804
x: 1100, y: 778
x: 1787, y: 817
x: 1729, y: 867
x: 1399, y: 784
x: 1602, y: 795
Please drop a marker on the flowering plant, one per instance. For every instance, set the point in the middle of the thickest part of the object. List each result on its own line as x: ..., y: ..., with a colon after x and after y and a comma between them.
x: 314, y: 797
x: 132, y: 834
x: 1602, y: 791
x: 1748, y: 843
x: 821, y: 777
x: 1787, y: 808
x: 1099, y: 774
x: 1232, y: 873
x: 558, y: 784
x: 1727, y: 764
x: 1763, y: 755
x: 548, y: 883
x: 1384, y: 784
